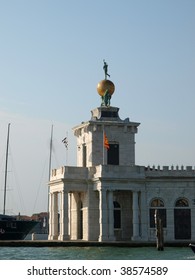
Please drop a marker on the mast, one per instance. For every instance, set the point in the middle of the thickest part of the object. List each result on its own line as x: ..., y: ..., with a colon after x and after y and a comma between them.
x: 50, y: 150
x: 6, y: 164
x: 49, y: 172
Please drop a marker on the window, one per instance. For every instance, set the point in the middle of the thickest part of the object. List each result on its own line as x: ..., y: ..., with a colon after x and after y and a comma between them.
x: 11, y: 225
x: 113, y: 154
x: 84, y: 155
x: 182, y: 202
x: 157, y: 204
x: 182, y: 219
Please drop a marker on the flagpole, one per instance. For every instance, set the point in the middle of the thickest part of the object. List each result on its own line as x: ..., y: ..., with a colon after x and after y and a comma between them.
x: 67, y: 149
x: 103, y: 145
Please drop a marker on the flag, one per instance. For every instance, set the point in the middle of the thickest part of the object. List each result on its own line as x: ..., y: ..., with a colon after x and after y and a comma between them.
x: 106, y: 143
x: 65, y: 141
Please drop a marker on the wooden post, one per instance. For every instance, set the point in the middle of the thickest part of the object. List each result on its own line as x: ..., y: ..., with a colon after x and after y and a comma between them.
x: 159, y: 231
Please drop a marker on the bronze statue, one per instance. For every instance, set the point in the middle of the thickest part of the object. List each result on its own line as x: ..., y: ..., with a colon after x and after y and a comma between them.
x: 106, y: 99
x: 105, y: 67
x: 105, y: 88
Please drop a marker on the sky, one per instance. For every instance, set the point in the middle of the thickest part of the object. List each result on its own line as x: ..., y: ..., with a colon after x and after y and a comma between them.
x: 51, y: 60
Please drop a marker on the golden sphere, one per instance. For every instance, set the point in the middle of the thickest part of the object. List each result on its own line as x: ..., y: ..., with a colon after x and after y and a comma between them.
x: 105, y: 85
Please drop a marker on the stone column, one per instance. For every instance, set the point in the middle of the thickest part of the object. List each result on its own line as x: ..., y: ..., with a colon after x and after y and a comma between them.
x: 110, y: 217
x: 136, y: 235
x: 53, y: 234
x: 69, y: 214
x: 103, y: 216
x: 144, y: 216
x: 64, y: 221
x: 50, y: 216
x: 60, y: 217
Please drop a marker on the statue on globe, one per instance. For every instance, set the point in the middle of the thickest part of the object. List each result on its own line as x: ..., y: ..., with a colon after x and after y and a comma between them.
x: 105, y: 67
x: 105, y: 88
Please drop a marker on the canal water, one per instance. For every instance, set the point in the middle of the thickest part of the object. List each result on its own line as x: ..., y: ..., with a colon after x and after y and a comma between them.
x: 95, y: 253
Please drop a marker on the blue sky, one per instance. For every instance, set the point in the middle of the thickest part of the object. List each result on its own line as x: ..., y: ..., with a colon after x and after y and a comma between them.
x: 51, y: 59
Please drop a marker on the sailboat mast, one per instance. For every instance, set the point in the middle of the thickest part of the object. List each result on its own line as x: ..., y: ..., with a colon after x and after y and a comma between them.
x: 49, y: 174
x: 50, y: 150
x: 50, y: 157
x: 6, y: 164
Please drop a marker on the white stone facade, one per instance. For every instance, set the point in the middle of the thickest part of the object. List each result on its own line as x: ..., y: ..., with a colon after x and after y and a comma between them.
x: 106, y: 197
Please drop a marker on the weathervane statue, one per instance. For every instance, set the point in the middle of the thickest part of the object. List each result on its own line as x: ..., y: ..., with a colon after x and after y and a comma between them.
x: 105, y: 67
x: 105, y: 88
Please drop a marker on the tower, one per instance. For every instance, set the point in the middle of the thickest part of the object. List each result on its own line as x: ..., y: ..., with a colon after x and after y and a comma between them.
x: 106, y: 123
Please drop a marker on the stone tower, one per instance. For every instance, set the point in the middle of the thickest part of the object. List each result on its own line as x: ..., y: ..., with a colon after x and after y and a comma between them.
x: 120, y: 135
x: 105, y: 122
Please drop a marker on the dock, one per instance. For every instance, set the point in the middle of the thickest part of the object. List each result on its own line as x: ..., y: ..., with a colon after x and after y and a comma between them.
x: 81, y: 243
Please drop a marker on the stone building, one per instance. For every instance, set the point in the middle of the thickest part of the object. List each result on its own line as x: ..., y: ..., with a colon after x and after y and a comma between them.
x: 107, y: 197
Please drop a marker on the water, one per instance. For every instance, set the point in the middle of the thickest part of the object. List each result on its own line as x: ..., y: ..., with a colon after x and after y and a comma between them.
x: 95, y: 253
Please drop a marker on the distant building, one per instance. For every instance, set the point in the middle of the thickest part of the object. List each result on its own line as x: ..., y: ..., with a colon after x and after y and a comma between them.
x: 107, y: 197
x: 42, y: 226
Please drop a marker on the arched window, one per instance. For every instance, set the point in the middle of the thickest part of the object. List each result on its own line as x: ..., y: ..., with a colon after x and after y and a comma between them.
x: 182, y: 219
x: 157, y: 204
x: 182, y: 202
x: 117, y: 215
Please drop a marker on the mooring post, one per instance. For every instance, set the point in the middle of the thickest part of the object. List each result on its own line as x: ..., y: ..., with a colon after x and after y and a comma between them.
x: 159, y: 232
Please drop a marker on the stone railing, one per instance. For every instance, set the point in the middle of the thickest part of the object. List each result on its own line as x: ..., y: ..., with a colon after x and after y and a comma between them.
x: 117, y: 171
x: 72, y: 172
x: 170, y: 171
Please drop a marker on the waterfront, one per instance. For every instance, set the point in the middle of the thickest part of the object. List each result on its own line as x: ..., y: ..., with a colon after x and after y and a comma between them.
x: 95, y: 253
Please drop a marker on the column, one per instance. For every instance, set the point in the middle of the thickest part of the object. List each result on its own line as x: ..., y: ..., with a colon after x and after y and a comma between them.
x: 69, y: 214
x: 144, y: 216
x: 61, y: 218
x: 136, y: 235
x: 50, y: 216
x: 103, y: 216
x: 53, y: 234
x: 64, y: 221
x: 110, y: 217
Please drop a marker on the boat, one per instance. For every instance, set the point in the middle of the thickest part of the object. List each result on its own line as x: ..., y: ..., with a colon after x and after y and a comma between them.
x: 192, y: 246
x: 11, y: 227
